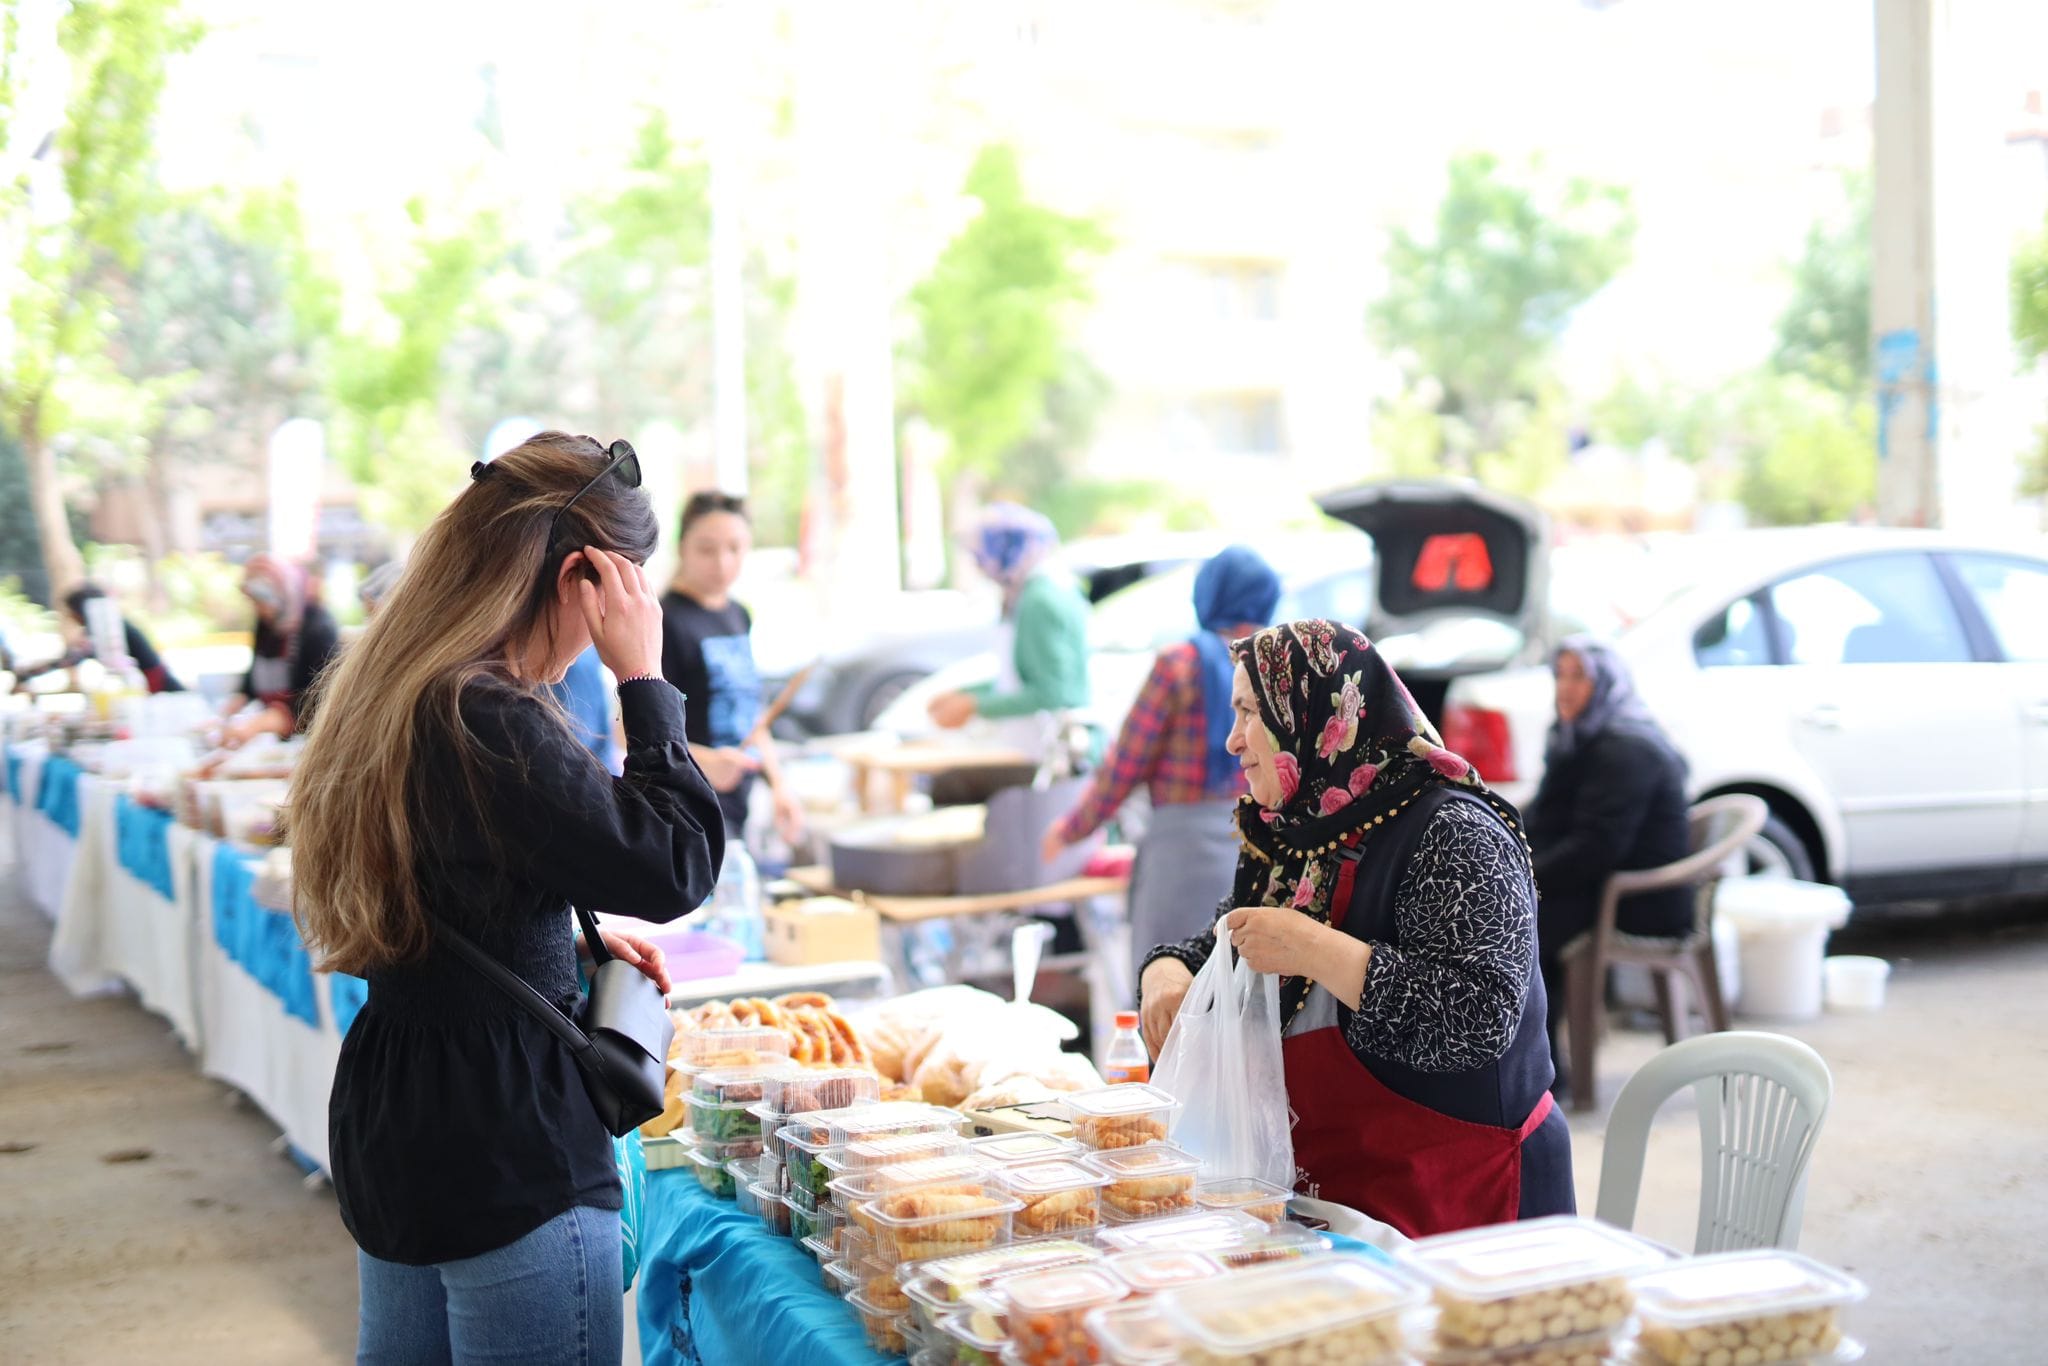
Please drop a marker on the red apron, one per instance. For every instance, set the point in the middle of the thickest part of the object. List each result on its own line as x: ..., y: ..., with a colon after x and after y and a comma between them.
x: 1357, y: 1143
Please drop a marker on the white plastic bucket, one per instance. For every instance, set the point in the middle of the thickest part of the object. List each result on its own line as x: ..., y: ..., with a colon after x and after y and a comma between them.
x: 1856, y: 983
x: 1783, y: 928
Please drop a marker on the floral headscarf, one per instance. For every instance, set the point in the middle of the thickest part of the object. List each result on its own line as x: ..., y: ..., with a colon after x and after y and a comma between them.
x: 1352, y: 749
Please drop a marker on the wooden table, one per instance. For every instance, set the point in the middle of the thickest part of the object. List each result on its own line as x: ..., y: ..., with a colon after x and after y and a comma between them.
x: 903, y: 765
x: 773, y: 979
x: 1104, y: 959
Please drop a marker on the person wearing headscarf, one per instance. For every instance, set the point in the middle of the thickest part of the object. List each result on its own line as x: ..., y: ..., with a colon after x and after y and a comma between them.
x: 1175, y: 742
x: 156, y: 675
x: 1045, y: 665
x: 295, y: 638
x: 1393, y: 895
x: 1612, y: 799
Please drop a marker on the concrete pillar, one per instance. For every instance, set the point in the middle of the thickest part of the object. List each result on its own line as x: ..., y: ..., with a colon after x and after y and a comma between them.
x: 728, y: 255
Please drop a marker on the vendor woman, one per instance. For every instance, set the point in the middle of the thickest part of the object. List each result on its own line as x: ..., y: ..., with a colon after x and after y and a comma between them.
x: 1175, y: 741
x: 1043, y: 664
x: 1393, y: 895
x: 295, y: 638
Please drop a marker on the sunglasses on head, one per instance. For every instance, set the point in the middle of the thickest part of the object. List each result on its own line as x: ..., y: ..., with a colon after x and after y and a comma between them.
x: 622, y: 458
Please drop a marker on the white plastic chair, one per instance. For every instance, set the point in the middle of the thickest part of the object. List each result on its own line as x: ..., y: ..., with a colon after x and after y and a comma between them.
x: 1762, y: 1098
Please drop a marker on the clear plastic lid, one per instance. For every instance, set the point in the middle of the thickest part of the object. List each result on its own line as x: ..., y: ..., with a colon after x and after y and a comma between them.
x: 1064, y: 1290
x: 1041, y: 1179
x: 1019, y: 1148
x: 821, y: 1249
x: 912, y: 1210
x: 730, y: 1085
x: 845, y: 1280
x: 1157, y: 1270
x: 1598, y: 1345
x: 1517, y: 1259
x: 810, y: 1091
x: 1244, y: 1314
x: 893, y: 1150
x: 1120, y: 1102
x: 727, y: 1152
x: 807, y: 1132
x: 747, y: 1047
x: 963, y: 1275
x: 1246, y: 1193
x: 1204, y: 1231
x: 1151, y: 1160
x: 892, y: 1117
x: 956, y: 1171
x: 1741, y: 1285
x: 1137, y: 1334
x: 869, y: 1309
x: 976, y: 1327
x: 767, y: 1195
x: 1277, y: 1243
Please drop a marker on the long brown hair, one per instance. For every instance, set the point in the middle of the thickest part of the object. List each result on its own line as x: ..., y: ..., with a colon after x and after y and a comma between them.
x: 476, y: 589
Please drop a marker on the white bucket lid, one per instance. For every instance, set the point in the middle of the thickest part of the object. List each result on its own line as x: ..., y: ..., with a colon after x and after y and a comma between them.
x: 1776, y: 905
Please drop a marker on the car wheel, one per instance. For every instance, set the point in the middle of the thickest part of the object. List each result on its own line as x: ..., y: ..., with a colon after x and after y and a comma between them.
x: 1777, y: 851
x: 883, y: 694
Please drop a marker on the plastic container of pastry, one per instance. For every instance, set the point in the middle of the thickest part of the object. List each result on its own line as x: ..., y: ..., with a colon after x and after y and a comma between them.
x: 1145, y: 1183
x: 1024, y: 1148
x: 869, y: 1122
x: 918, y: 1226
x: 958, y: 1171
x: 1127, y: 1116
x: 705, y: 1049
x: 1776, y: 1304
x: 1342, y: 1308
x: 1271, y: 1245
x: 890, y: 1150
x: 958, y: 1277
x: 819, y: 1090
x: 1158, y: 1270
x: 843, y: 1279
x: 1049, y: 1311
x: 1203, y: 1231
x: 1058, y: 1197
x: 1135, y: 1333
x: 884, y: 1327
x: 1518, y: 1285
x: 1262, y: 1200
x: 732, y: 1085
x: 1585, y: 1349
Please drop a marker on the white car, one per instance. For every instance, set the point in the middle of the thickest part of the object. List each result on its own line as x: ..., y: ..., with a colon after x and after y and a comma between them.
x: 1886, y: 691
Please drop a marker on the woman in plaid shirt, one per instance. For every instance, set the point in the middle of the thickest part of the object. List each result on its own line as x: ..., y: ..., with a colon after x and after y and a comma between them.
x: 1173, y: 743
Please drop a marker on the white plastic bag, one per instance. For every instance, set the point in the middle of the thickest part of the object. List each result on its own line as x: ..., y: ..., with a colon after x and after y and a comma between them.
x: 1221, y: 1061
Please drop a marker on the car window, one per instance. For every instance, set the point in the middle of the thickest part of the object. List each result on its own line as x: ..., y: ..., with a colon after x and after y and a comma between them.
x: 1146, y: 616
x: 1736, y: 636
x: 1881, y: 609
x: 2014, y: 596
x: 1344, y: 598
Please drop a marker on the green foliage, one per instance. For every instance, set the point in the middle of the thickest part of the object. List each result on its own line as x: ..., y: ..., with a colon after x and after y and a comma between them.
x: 1692, y: 424
x: 21, y: 548
x: 1038, y: 469
x: 2030, y: 296
x: 1806, y: 456
x: 1824, y: 332
x: 1474, y: 308
x: 992, y: 322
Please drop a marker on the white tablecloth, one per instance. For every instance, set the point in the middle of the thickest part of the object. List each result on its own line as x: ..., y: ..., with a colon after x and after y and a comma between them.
x: 44, y: 851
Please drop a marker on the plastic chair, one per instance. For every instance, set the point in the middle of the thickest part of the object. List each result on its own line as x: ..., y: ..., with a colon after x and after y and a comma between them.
x: 1762, y: 1099
x: 1689, y: 959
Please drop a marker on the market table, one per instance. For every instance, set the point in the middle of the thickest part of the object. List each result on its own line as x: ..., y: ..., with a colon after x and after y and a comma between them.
x: 719, y: 1287
x: 773, y: 979
x: 42, y: 790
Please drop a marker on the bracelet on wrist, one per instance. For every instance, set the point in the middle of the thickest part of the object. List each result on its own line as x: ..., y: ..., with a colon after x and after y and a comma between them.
x: 639, y: 678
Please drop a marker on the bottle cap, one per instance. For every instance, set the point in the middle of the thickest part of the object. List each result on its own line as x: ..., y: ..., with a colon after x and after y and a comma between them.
x: 1127, y: 1019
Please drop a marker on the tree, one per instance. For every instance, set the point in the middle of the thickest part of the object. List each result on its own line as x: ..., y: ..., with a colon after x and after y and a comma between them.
x: 1805, y: 456
x: 1474, y: 309
x: 993, y: 321
x: 2030, y: 336
x: 54, y: 358
x: 1824, y: 332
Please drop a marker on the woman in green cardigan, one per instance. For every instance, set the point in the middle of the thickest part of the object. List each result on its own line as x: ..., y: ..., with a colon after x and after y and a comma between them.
x: 1046, y: 663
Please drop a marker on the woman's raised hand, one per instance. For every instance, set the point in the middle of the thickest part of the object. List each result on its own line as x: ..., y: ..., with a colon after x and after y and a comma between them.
x: 1164, y: 987
x: 623, y: 614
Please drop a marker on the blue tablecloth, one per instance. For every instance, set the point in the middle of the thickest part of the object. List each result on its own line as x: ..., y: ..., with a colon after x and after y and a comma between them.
x: 142, y: 841
x: 59, y: 798
x: 347, y: 995
x: 13, y: 761
x: 265, y: 942
x: 717, y: 1287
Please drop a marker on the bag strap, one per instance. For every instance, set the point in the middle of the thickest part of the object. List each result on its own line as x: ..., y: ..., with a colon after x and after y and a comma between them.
x: 520, y: 991
x: 592, y: 940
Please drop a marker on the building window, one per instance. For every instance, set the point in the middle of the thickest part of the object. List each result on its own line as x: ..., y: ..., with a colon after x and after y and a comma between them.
x: 1232, y: 291
x: 1235, y: 424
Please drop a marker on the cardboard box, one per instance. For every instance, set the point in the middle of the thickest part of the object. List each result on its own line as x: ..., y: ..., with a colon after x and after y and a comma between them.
x: 822, y: 930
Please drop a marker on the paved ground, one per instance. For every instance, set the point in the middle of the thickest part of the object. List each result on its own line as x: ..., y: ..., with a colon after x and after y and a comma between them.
x: 142, y: 1218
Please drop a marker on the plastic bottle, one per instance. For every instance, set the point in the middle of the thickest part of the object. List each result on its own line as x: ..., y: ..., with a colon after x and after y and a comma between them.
x: 1126, y: 1060
x: 736, y: 903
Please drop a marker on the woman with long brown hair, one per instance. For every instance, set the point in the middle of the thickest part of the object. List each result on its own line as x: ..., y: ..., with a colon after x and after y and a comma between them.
x: 441, y: 788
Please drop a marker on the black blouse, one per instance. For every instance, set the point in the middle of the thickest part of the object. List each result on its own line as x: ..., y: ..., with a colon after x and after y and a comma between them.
x: 458, y: 1124
x: 311, y: 648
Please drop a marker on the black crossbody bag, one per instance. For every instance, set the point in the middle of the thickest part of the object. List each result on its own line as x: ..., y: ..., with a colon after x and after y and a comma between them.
x: 620, y: 1038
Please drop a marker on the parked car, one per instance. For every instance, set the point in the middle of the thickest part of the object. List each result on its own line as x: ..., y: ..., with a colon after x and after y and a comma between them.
x: 1885, y: 691
x: 851, y: 687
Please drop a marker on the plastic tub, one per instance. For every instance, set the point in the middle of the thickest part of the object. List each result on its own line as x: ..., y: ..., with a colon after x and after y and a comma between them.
x: 731, y: 1085
x: 821, y: 1090
x: 841, y: 1277
x: 1147, y: 1182
x: 1589, y: 1349
x: 1058, y: 1197
x: 773, y: 1209
x: 1766, y: 1306
x: 1204, y: 1231
x: 804, y: 1161
x: 705, y: 1049
x: 870, y: 1122
x: 1342, y: 1308
x: 1269, y: 1246
x: 1020, y: 1149
x: 1262, y: 1200
x: 712, y: 1174
x: 1518, y: 1285
x: 884, y: 1327
x: 1135, y: 1334
x: 957, y: 1172
x: 891, y: 1150
x: 1854, y: 983
x: 916, y: 1227
x: 1049, y: 1310
x: 745, y: 1193
x: 1158, y: 1270
x: 978, y: 1340
x: 959, y: 1277
x: 732, y: 1123
x: 1128, y: 1116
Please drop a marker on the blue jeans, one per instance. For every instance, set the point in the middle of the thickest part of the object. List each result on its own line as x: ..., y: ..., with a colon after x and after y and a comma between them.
x: 551, y: 1297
